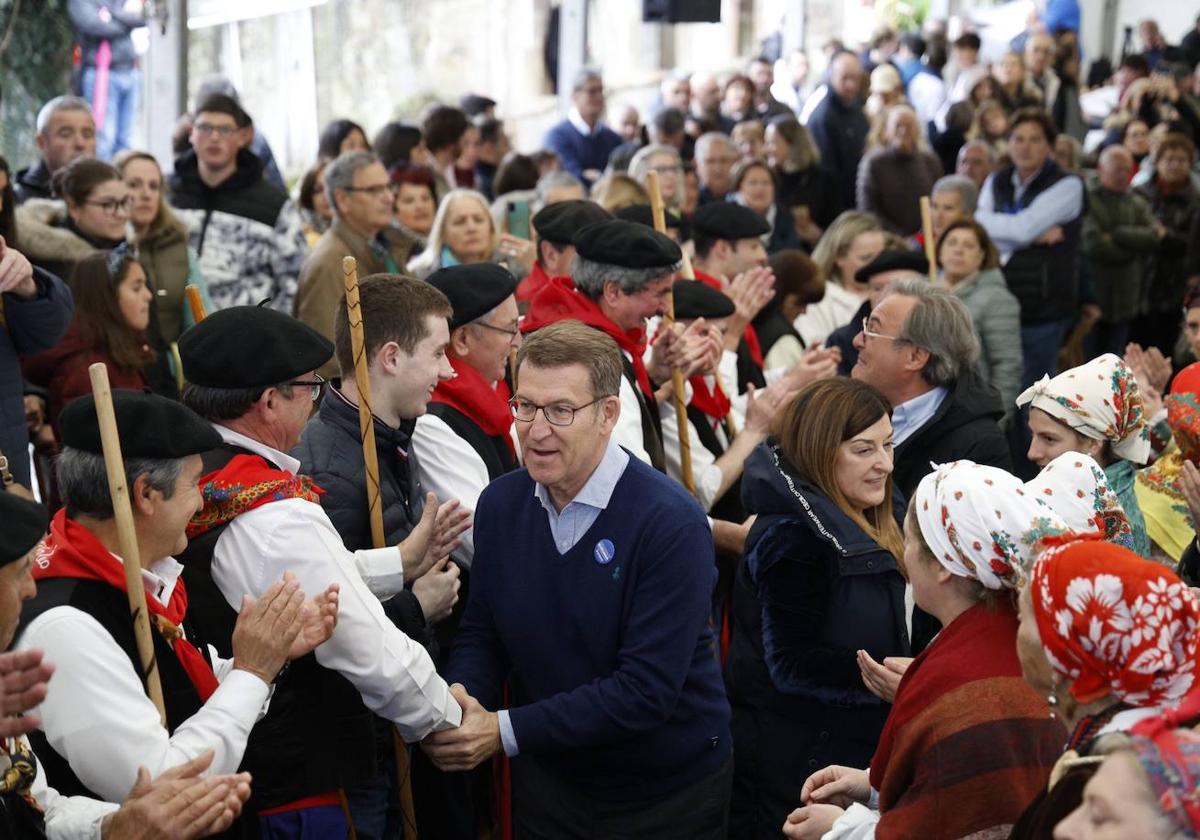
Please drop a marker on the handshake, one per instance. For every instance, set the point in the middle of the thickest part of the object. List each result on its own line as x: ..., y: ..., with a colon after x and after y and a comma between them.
x: 474, y: 741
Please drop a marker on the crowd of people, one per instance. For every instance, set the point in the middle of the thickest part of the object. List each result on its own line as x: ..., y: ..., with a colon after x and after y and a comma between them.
x: 721, y: 489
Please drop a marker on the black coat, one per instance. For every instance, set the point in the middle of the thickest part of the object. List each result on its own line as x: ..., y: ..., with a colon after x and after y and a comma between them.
x: 244, y: 193
x: 32, y: 182
x: 330, y: 451
x: 840, y: 132
x: 812, y: 589
x: 966, y: 426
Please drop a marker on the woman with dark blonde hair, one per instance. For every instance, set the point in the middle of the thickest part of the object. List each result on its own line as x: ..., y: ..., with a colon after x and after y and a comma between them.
x: 820, y: 580
x: 162, y: 244
x: 806, y: 188
x: 112, y: 315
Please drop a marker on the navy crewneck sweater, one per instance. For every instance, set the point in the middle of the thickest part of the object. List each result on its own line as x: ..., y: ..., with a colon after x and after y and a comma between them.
x: 612, y: 659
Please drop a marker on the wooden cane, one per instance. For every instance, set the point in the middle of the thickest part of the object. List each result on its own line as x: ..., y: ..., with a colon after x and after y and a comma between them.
x: 685, y: 443
x: 195, y: 302
x: 366, y: 429
x: 731, y: 428
x: 114, y: 465
x: 930, y: 245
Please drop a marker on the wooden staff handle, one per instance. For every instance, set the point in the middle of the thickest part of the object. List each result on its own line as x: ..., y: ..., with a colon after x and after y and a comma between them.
x: 195, y: 302
x: 114, y: 465
x: 930, y: 245
x: 681, y: 419
x: 366, y: 425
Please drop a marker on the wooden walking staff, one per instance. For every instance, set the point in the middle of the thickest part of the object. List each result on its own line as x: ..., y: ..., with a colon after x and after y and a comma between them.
x: 195, y: 302
x: 685, y: 443
x: 930, y: 245
x: 366, y: 429
x: 114, y: 465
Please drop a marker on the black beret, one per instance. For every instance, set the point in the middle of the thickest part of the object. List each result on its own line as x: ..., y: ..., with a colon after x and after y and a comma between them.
x: 559, y: 222
x: 893, y: 261
x: 644, y: 215
x: 148, y: 425
x: 722, y: 220
x: 694, y: 299
x: 250, y: 347
x: 24, y: 526
x: 627, y: 244
x: 473, y: 290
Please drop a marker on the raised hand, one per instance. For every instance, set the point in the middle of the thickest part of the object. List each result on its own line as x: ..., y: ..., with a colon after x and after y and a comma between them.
x: 475, y: 740
x: 16, y: 272
x: 811, y: 822
x: 1150, y: 367
x: 318, y: 618
x: 816, y: 363
x: 437, y: 590
x: 179, y: 804
x: 750, y: 291
x: 836, y: 785
x: 675, y: 347
x: 762, y: 405
x: 451, y: 521
x: 882, y: 679
x: 267, y: 628
x: 23, y: 678
x: 415, y: 547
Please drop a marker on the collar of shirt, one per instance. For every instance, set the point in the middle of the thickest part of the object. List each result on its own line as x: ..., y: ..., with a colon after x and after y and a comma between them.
x: 1020, y: 186
x: 598, y: 490
x: 161, y: 577
x: 279, y: 459
x: 915, y: 413
x: 576, y: 119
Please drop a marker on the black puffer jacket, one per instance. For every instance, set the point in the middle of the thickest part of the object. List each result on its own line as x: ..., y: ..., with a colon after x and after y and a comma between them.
x: 330, y: 451
x: 244, y: 193
x: 966, y: 426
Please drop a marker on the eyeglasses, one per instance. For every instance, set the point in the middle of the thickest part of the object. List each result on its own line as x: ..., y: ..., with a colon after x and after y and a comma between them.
x: 513, y: 333
x: 222, y: 131
x: 316, y: 385
x: 112, y: 206
x: 869, y: 333
x: 374, y: 191
x: 558, y: 414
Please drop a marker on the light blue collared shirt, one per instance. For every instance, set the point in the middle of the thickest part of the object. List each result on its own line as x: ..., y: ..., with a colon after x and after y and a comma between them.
x: 912, y: 415
x: 1056, y: 205
x: 568, y: 526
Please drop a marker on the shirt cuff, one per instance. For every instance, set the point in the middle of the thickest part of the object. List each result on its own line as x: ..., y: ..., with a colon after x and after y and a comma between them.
x: 507, y: 736
x: 382, y: 569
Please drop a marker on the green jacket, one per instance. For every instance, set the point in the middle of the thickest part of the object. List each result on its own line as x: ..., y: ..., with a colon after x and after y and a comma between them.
x: 1118, y: 233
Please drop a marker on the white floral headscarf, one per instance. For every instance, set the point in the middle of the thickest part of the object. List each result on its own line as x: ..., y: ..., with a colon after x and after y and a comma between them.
x: 981, y: 523
x: 1075, y: 486
x: 1099, y: 400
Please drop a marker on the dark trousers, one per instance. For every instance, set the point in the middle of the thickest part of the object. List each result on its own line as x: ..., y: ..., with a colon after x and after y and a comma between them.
x: 546, y: 809
x: 1107, y: 337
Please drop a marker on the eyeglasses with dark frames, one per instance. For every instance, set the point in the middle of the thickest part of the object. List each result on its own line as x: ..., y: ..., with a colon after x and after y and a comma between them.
x: 112, y: 206
x: 556, y: 414
x: 316, y: 385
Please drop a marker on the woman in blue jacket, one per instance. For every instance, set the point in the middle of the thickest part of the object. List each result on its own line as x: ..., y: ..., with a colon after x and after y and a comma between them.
x: 820, y: 580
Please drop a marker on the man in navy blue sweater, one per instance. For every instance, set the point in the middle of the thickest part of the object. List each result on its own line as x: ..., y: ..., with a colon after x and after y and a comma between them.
x: 581, y: 141
x: 589, y: 597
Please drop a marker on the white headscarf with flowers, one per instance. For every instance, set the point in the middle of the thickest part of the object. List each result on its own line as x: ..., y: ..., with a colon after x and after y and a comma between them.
x: 1075, y: 486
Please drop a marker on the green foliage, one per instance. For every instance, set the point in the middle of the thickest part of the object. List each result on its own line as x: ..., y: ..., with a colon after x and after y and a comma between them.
x: 35, y: 67
x: 902, y: 15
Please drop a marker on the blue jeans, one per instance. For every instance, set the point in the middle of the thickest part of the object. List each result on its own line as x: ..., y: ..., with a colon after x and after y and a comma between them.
x: 120, y: 111
x: 1039, y: 345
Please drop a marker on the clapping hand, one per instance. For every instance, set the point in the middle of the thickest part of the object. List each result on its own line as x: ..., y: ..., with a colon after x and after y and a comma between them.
x: 267, y: 628
x: 318, y: 620
x: 882, y: 678
x: 817, y: 363
x: 436, y: 535
x: 474, y: 741
x: 1150, y: 367
x: 23, y: 678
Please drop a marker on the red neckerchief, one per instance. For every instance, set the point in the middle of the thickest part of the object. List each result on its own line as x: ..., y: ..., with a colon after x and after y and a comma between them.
x: 528, y: 288
x: 72, y: 551
x: 559, y: 301
x: 749, y: 335
x: 471, y: 394
x: 246, y: 482
x: 712, y: 401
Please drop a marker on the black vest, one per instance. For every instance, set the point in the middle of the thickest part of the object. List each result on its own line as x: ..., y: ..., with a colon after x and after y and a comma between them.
x: 651, y: 422
x: 493, y: 451
x: 18, y: 819
x: 771, y: 325
x: 1044, y: 278
x: 748, y: 371
x: 110, y: 608
x: 729, y: 506
x: 317, y: 735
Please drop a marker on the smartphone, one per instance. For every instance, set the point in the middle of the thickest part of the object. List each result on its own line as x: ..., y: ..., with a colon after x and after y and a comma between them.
x: 518, y: 218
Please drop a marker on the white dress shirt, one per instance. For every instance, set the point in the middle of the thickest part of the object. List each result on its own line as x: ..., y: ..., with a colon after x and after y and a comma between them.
x: 394, y: 674
x: 97, y: 716
x: 628, y: 431
x: 67, y: 817
x: 706, y: 475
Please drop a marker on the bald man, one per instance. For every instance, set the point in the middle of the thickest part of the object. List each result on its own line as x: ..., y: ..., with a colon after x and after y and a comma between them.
x: 1118, y: 231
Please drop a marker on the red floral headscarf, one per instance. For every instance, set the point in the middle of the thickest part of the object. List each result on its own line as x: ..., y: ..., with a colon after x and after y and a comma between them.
x: 1114, y: 623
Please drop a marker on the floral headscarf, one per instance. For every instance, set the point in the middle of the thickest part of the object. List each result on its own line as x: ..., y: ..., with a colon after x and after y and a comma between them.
x: 1171, y: 758
x: 1099, y: 400
x: 1168, y: 518
x: 981, y: 523
x: 1114, y: 623
x: 1075, y: 486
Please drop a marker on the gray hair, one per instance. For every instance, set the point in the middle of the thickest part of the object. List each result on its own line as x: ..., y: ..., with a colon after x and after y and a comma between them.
x: 941, y: 325
x: 978, y: 144
x: 585, y: 75
x: 711, y: 138
x: 968, y: 193
x: 590, y: 276
x: 58, y: 105
x: 217, y: 404
x: 339, y: 174
x: 83, y: 480
x: 553, y: 181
